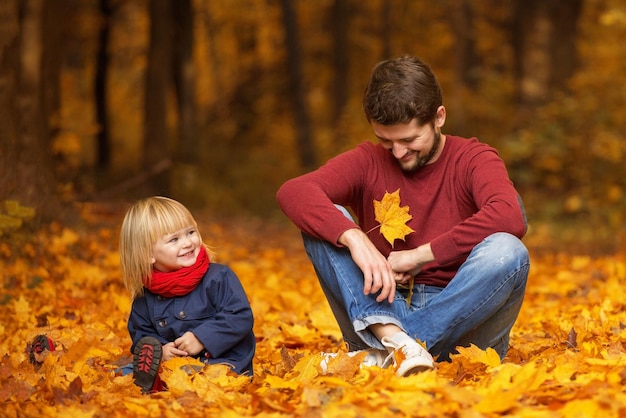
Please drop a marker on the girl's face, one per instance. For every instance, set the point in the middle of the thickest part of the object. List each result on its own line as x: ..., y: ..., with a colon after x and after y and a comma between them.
x: 176, y: 250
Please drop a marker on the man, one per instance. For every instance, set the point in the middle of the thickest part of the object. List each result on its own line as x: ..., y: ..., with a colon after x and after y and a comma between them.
x: 464, y: 257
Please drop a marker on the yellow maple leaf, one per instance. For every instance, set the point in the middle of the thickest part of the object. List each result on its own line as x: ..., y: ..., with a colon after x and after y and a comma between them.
x: 392, y: 217
x: 489, y: 356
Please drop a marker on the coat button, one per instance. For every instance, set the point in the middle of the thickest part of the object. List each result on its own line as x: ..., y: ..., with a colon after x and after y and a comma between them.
x: 162, y: 323
x: 182, y: 315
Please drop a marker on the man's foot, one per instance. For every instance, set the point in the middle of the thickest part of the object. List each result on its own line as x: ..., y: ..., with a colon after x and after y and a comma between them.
x: 38, y: 349
x: 146, y: 362
x: 374, y: 357
x: 408, y: 358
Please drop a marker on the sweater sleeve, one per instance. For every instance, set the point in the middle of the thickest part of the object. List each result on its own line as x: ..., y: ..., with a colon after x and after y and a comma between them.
x: 309, y: 200
x: 484, y: 180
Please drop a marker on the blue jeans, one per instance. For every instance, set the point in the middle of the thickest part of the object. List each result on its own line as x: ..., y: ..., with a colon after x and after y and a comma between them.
x: 479, y: 306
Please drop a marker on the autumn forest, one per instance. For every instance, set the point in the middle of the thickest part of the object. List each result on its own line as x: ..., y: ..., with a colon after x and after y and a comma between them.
x: 216, y: 103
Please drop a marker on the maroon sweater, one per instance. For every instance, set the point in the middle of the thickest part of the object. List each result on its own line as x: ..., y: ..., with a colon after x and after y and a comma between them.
x: 463, y: 197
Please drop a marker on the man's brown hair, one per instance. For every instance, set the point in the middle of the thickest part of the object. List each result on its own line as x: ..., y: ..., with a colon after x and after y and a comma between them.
x: 401, y: 90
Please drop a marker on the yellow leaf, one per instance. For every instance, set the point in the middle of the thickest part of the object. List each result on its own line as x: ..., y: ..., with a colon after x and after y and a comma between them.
x: 307, y: 368
x: 392, y: 217
x: 276, y: 382
x: 583, y: 408
x: 488, y: 357
x: 8, y: 222
x: 344, y: 365
x: 135, y: 407
x: 504, y: 401
x: 15, y: 209
x: 181, y: 362
x: 22, y: 310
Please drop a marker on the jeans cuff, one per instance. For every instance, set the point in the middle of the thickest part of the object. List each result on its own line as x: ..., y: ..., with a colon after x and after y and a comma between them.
x: 361, y: 327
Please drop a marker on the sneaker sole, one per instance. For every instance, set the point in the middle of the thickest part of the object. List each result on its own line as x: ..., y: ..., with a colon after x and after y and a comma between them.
x: 415, y: 370
x: 145, y: 374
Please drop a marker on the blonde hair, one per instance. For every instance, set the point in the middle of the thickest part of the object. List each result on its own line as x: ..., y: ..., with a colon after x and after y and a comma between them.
x: 145, y: 222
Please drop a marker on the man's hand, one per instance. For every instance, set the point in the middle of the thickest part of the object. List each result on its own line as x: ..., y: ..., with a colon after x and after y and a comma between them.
x: 377, y: 272
x: 409, y: 263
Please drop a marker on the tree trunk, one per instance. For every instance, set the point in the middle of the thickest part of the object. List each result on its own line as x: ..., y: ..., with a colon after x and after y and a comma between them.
x: 186, y: 171
x: 467, y: 61
x: 103, y: 158
x: 26, y: 163
x: 52, y: 57
x: 544, y: 35
x: 386, y: 28
x: 9, y: 68
x: 306, y: 150
x: 158, y: 77
x: 563, y: 53
x: 340, y: 22
x: 185, y: 80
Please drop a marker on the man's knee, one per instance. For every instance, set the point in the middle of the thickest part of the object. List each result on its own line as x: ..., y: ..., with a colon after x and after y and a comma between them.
x: 508, y: 246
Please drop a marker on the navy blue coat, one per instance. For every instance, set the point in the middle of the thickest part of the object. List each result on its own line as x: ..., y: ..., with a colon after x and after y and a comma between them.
x: 217, y: 311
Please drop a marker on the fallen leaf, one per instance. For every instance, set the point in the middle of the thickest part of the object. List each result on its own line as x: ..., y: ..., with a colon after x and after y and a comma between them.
x: 81, y: 304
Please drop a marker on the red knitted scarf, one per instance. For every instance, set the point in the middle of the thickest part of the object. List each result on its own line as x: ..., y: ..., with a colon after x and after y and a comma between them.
x: 181, y: 281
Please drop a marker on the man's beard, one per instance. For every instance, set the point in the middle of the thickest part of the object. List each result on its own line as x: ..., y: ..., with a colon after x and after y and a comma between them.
x: 425, y: 159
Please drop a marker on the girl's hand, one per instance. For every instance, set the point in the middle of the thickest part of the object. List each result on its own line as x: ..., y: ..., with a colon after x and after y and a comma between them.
x: 189, y: 344
x: 170, y: 351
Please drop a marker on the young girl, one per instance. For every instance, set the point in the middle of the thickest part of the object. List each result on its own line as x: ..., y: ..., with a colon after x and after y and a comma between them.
x: 183, y: 305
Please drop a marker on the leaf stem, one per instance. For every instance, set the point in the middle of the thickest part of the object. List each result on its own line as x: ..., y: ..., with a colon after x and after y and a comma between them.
x: 376, y: 227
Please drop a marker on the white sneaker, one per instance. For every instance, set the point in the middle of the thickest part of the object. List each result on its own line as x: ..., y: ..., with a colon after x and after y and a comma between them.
x: 374, y: 357
x: 413, y: 357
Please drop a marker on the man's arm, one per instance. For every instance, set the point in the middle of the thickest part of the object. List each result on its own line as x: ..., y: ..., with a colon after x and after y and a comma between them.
x: 483, y: 178
x: 309, y: 200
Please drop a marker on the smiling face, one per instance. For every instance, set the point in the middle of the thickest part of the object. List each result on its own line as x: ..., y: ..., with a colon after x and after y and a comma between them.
x: 413, y: 145
x: 175, y: 250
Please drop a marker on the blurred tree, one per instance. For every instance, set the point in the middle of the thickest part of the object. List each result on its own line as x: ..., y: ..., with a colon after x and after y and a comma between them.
x: 184, y: 80
x: 302, y: 121
x: 9, y: 67
x: 170, y: 69
x: 186, y: 169
x: 103, y: 158
x: 158, y: 76
x: 386, y: 28
x: 544, y: 46
x: 467, y: 60
x: 29, y: 98
x: 340, y: 21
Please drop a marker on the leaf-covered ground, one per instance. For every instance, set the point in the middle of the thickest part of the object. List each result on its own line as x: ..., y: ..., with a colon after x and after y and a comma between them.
x: 567, y: 357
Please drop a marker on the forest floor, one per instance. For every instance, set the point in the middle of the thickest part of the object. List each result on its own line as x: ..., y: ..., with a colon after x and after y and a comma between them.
x: 567, y: 356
